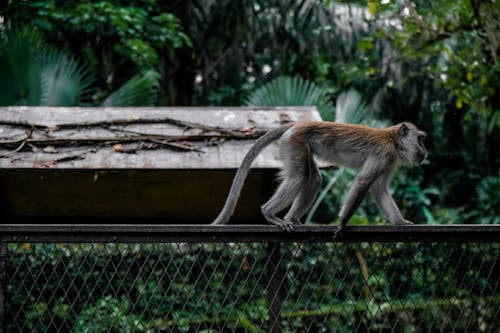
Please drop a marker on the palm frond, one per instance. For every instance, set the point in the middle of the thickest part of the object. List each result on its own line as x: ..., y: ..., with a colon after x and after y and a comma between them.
x: 64, y: 80
x: 292, y: 91
x: 140, y: 90
x: 350, y: 107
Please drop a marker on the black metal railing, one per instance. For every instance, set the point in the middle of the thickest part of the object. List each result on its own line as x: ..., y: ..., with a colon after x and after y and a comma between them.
x: 198, y: 278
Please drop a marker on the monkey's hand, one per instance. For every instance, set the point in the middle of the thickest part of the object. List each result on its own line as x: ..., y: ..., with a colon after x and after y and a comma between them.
x: 339, y: 233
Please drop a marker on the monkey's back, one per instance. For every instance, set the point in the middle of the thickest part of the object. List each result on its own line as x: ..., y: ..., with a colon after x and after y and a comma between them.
x: 342, y: 144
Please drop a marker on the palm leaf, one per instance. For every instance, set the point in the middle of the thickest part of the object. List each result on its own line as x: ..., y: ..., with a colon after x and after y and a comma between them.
x: 32, y: 75
x: 292, y: 91
x: 64, y: 81
x: 140, y: 90
x: 350, y: 108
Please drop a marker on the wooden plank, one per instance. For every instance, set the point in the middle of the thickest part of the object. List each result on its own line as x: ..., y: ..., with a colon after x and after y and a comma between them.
x: 148, y: 138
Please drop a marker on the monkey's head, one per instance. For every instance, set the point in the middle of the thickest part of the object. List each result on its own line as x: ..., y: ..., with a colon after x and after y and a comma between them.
x: 410, y: 143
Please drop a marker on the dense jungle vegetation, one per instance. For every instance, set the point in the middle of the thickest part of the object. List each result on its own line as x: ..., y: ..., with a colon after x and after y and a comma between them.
x: 434, y: 63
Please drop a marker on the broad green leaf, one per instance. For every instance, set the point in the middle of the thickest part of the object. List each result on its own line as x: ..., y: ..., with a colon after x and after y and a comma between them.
x: 140, y: 90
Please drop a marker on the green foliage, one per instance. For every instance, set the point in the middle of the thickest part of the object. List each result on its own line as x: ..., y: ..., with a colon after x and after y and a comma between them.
x: 35, y: 75
x: 350, y: 108
x: 163, y: 287
x: 41, y: 76
x: 109, y: 315
x: 128, y: 25
x: 415, y: 198
x: 64, y: 81
x: 116, y: 40
x: 20, y: 82
x: 288, y: 91
x: 487, y: 209
x: 448, y: 48
x: 139, y: 90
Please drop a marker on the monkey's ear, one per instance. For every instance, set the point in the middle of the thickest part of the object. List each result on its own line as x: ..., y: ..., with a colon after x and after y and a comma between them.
x: 403, y: 130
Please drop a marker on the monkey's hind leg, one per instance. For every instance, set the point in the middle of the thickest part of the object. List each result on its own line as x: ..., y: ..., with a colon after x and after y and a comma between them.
x: 295, y: 172
x: 284, y: 196
x: 307, y: 194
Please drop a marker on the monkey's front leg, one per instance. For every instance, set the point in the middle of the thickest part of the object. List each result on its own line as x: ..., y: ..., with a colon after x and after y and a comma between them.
x: 353, y: 199
x: 385, y: 202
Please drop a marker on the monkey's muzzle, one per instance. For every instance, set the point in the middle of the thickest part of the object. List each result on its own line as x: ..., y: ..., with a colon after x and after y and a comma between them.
x: 421, y: 155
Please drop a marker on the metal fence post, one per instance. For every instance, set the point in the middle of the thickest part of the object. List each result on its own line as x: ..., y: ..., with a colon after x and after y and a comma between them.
x: 3, y: 253
x: 275, y: 273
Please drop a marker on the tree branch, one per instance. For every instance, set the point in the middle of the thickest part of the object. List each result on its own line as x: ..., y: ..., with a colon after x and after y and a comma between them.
x: 236, y: 133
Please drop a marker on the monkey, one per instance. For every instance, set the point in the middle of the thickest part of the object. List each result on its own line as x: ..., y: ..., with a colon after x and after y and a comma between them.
x: 375, y: 153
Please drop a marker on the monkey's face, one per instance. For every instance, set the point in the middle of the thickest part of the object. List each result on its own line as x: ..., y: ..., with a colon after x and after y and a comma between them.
x: 411, y: 143
x: 422, y: 152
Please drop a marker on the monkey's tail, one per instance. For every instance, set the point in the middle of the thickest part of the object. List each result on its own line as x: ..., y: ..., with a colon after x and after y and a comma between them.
x: 242, y: 172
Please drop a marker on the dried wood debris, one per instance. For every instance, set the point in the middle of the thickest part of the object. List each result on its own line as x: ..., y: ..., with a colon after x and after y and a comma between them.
x: 41, y: 137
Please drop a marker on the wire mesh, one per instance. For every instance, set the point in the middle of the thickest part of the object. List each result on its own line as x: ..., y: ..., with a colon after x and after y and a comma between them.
x: 252, y: 287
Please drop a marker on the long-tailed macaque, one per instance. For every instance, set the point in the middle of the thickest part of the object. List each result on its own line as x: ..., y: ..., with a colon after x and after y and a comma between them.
x: 374, y: 152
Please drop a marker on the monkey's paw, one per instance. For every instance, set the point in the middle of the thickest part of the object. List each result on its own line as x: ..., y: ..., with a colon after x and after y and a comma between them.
x: 286, y: 225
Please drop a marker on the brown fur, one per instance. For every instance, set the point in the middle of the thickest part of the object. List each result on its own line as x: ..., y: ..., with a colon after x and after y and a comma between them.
x: 359, y: 136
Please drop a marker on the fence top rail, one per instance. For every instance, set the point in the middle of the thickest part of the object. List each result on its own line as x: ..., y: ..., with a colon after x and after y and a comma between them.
x: 145, y: 233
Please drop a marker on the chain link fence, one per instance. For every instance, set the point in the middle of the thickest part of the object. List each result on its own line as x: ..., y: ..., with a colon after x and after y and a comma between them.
x: 309, y: 284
